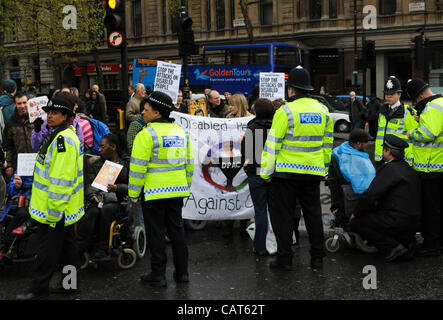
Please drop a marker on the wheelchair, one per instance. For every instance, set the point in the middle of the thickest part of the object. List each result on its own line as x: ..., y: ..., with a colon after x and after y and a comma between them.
x: 20, y: 249
x: 127, y: 238
x: 343, y: 202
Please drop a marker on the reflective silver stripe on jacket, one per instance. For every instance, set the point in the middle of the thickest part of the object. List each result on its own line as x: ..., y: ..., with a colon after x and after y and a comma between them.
x: 59, y: 196
x: 137, y: 175
x: 300, y: 149
x: 274, y: 139
x: 436, y: 106
x: 41, y: 186
x: 61, y: 182
x: 271, y: 151
x: 428, y: 144
x: 165, y: 169
x: 290, y: 119
x: 304, y: 138
x: 57, y: 214
x: 155, y: 149
x: 427, y: 132
x: 135, y: 187
x: 139, y: 162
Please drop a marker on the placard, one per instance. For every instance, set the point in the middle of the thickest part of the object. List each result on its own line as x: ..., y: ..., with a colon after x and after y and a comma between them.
x: 35, y: 108
x: 198, y: 107
x: 167, y: 79
x: 26, y: 164
x: 272, y: 85
x: 107, y: 175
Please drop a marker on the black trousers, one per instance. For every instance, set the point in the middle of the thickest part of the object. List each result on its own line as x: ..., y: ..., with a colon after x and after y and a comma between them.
x: 21, y: 215
x: 96, y: 219
x: 57, y: 248
x: 160, y: 216
x: 282, y: 201
x: 432, y: 212
x: 385, y: 231
x: 373, y: 127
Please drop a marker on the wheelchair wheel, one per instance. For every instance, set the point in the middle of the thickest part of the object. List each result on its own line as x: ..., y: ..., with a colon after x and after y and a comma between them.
x: 363, y: 245
x: 195, y: 224
x: 330, y: 246
x: 84, y: 260
x: 126, y: 258
x: 139, y: 244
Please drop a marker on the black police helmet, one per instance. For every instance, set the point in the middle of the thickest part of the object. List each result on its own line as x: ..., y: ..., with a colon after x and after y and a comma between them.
x: 59, y: 104
x: 394, y: 142
x: 299, y: 78
x: 160, y: 101
x: 415, y: 87
x: 392, y: 85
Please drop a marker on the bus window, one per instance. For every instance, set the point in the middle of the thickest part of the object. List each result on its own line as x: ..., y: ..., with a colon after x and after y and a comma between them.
x: 286, y: 56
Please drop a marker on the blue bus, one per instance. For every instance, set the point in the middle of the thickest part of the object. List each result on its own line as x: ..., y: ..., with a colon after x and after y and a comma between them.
x: 236, y: 68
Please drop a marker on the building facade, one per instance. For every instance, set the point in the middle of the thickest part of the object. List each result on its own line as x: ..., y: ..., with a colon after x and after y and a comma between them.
x: 323, y: 29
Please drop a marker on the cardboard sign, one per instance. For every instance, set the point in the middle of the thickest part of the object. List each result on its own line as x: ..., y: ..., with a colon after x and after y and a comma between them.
x: 26, y: 164
x: 107, y: 175
x: 167, y: 79
x: 272, y: 85
x: 198, y: 107
x: 35, y: 108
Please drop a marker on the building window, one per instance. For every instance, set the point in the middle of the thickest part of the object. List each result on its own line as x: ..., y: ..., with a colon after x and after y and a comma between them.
x: 220, y: 14
x: 137, y: 18
x: 208, y: 14
x: 332, y: 9
x: 232, y: 7
x: 388, y: 6
x: 439, y: 4
x: 315, y: 9
x: 266, y: 12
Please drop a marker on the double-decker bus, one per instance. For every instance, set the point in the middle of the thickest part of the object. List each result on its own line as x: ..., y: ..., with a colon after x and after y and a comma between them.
x: 236, y: 68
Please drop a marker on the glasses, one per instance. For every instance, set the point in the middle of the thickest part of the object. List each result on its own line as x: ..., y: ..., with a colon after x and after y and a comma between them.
x: 20, y: 103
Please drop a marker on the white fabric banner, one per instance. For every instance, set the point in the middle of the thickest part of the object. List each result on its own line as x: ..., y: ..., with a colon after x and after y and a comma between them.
x: 219, y: 189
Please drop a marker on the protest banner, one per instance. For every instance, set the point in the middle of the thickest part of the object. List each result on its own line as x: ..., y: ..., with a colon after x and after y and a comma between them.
x: 198, y: 107
x: 26, y: 164
x: 35, y: 108
x: 272, y: 85
x: 219, y: 189
x: 107, y: 175
x: 167, y: 79
x: 144, y: 71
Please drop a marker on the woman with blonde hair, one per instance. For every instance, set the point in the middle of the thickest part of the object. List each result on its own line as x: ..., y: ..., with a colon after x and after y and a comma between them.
x: 238, y: 105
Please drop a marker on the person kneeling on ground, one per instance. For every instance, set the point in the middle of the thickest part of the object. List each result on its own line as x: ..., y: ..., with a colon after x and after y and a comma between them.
x: 388, y: 214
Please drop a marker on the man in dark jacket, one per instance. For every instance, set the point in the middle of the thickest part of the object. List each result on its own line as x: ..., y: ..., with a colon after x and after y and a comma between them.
x: 6, y: 100
x: 388, y: 214
x: 356, y: 112
x: 17, y: 134
x: 217, y: 107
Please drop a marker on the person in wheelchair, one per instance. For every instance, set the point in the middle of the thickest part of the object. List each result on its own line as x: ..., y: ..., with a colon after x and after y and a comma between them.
x: 388, y: 214
x: 103, y: 207
x: 19, y: 195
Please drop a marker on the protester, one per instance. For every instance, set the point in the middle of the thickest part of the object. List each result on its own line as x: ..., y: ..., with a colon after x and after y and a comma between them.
x: 278, y: 103
x: 133, y: 129
x: 133, y: 106
x: 97, y: 107
x: 251, y: 149
x: 255, y: 93
x: 131, y: 92
x: 295, y: 159
x: 17, y: 134
x: 57, y: 198
x: 6, y: 100
x: 238, y: 106
x: 217, y: 107
x: 388, y: 214
x: 103, y: 207
x: 181, y: 105
x: 164, y: 171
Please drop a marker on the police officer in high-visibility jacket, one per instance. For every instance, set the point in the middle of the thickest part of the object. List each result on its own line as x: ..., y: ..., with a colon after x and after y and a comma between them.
x: 395, y: 118
x: 295, y: 159
x: 162, y: 164
x: 427, y: 146
x: 57, y: 198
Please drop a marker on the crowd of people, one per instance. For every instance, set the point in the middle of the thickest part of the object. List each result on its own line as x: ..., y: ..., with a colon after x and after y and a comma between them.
x: 291, y: 156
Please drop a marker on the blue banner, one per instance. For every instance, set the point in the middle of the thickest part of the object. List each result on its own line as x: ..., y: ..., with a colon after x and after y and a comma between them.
x: 144, y: 72
x: 235, y: 79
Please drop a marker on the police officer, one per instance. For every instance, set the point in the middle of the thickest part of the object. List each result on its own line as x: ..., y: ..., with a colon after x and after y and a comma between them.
x: 57, y: 198
x: 388, y: 214
x: 162, y: 164
x: 395, y: 118
x: 427, y: 140
x: 295, y: 159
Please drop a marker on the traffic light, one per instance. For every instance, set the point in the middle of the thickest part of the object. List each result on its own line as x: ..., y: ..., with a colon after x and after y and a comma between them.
x: 186, y: 44
x: 369, y: 56
x: 114, y: 22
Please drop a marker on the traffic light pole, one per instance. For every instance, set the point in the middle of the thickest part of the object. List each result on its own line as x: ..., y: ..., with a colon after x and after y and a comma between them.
x: 124, y: 59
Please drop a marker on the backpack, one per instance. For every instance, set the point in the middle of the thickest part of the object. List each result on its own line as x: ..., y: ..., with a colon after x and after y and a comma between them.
x: 99, y: 129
